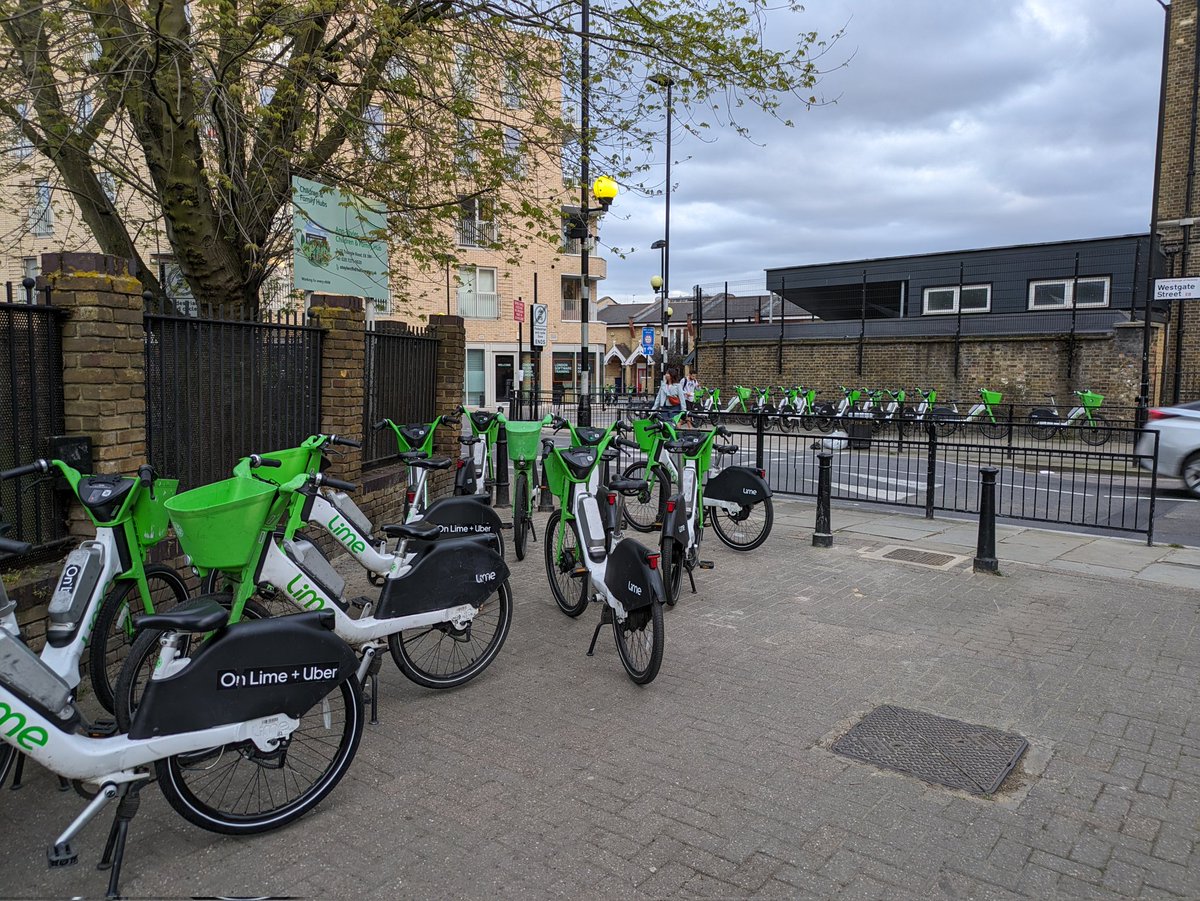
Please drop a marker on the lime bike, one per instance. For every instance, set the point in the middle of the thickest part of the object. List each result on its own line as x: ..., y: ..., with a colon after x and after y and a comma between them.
x: 476, y: 471
x: 524, y: 439
x: 1084, y: 419
x: 984, y: 414
x: 106, y: 579
x: 740, y: 408
x: 643, y: 509
x: 584, y: 565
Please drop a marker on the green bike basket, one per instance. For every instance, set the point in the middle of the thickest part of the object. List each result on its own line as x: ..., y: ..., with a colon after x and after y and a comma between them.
x: 991, y: 398
x: 1091, y: 400
x: 150, y: 519
x: 524, y: 439
x: 645, y: 437
x: 555, y: 473
x: 294, y: 461
x: 744, y: 393
x: 217, y: 524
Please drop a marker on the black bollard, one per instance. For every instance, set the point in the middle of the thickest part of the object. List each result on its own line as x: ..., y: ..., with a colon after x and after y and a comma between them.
x: 985, y: 550
x: 823, y: 536
x: 500, y: 465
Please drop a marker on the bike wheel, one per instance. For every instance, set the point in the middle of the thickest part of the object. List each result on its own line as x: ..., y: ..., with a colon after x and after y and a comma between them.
x: 441, y: 656
x: 671, y: 556
x: 746, y: 529
x: 1095, y: 431
x: 521, y: 522
x: 1042, y: 429
x: 640, y: 642
x: 240, y: 790
x: 945, y: 424
x: 113, y: 635
x: 139, y: 664
x: 570, y: 591
x: 641, y: 509
x: 993, y: 428
x: 788, y: 421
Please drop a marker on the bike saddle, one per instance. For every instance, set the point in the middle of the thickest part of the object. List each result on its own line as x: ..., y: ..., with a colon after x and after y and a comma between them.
x: 684, y: 445
x: 629, y: 485
x: 411, y: 457
x: 419, y: 530
x: 197, y: 615
x: 435, y: 463
x: 482, y: 419
x: 469, y: 440
x: 414, y: 434
x: 726, y: 448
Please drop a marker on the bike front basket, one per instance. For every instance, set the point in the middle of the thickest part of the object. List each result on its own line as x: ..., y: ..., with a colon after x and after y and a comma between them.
x: 150, y: 519
x: 645, y: 435
x: 554, y: 471
x: 1091, y: 400
x: 217, y: 524
x: 991, y: 398
x: 524, y: 439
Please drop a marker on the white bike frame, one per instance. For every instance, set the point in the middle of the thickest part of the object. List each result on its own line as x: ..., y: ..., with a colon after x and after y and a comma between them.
x: 584, y: 504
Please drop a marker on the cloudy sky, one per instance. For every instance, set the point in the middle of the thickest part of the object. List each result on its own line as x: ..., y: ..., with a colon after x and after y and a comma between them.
x: 957, y: 124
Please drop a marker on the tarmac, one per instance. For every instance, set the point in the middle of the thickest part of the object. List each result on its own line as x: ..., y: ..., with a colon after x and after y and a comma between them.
x: 552, y: 775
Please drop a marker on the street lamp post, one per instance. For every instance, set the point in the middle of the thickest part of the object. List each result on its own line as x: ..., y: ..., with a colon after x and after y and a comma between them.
x: 659, y: 284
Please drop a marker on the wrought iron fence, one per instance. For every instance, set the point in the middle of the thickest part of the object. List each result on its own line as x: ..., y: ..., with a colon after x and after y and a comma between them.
x: 220, y: 388
x: 31, y: 412
x: 399, y: 384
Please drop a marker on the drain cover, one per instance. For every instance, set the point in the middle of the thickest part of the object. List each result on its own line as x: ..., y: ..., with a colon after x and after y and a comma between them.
x: 948, y: 752
x: 925, y: 558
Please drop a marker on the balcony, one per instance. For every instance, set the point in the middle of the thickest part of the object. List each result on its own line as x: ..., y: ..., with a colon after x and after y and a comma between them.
x: 478, y: 305
x: 572, y: 246
x: 476, y: 233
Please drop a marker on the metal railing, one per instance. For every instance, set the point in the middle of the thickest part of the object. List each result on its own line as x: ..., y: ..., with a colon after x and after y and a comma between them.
x: 476, y: 233
x: 31, y: 412
x: 478, y: 305
x: 399, y: 383
x: 218, y: 389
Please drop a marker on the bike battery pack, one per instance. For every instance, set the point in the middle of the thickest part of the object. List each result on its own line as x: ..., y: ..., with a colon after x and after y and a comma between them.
x: 22, y: 672
x: 76, y: 583
x: 349, y: 511
x: 591, y: 526
x: 313, y: 564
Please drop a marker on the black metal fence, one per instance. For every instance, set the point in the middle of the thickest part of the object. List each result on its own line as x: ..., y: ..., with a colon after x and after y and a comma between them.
x: 399, y: 384
x: 1103, y: 487
x: 219, y: 388
x: 31, y: 412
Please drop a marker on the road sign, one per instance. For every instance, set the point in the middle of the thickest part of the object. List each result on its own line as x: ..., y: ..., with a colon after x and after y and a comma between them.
x: 541, y: 319
x: 518, y: 311
x: 647, y: 339
x: 1176, y: 288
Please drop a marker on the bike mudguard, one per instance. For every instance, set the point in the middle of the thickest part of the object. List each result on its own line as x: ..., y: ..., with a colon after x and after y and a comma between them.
x: 738, y: 485
x: 252, y: 669
x: 630, y: 578
x: 675, y: 519
x: 465, y: 480
x: 460, y: 516
x: 452, y: 572
x: 1043, y: 413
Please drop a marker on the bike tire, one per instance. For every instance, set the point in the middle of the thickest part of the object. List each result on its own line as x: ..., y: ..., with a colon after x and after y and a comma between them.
x: 113, y: 636
x: 1095, y: 431
x: 142, y: 657
x: 570, y: 592
x: 671, y: 557
x: 520, y: 513
x: 640, y: 641
x: 730, y: 528
x: 1042, y: 430
x: 414, y: 655
x: 788, y: 421
x: 944, y: 424
x: 333, y: 747
x: 646, y: 514
x: 993, y: 429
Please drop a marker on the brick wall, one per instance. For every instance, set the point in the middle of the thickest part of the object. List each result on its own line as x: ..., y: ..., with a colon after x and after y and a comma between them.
x: 104, y: 398
x: 1024, y: 369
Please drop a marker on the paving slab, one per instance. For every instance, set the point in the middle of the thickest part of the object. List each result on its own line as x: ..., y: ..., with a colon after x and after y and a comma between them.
x: 1170, y: 574
x: 1183, y: 556
x: 1024, y: 552
x: 1115, y: 553
x: 885, y: 528
x: 1116, y: 571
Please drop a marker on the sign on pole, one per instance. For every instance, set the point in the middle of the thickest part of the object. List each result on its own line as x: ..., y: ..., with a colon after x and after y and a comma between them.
x: 541, y: 321
x: 1176, y: 288
x: 648, y: 340
x: 339, y: 242
x: 518, y: 310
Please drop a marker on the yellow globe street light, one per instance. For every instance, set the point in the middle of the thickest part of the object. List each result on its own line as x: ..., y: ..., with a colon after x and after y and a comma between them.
x: 604, y: 189
x: 656, y: 283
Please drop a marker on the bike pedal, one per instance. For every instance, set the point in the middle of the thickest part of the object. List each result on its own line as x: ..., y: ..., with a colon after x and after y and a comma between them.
x: 579, y: 572
x: 102, y: 729
x: 61, y: 856
x: 706, y: 564
x: 361, y: 602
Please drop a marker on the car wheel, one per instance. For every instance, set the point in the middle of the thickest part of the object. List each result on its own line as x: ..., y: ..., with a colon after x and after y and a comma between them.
x: 1191, y: 474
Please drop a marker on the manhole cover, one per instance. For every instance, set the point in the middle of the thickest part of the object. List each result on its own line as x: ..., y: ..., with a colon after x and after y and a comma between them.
x: 948, y: 752
x: 925, y: 558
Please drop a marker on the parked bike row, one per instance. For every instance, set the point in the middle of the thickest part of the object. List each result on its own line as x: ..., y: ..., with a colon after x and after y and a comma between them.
x: 248, y: 720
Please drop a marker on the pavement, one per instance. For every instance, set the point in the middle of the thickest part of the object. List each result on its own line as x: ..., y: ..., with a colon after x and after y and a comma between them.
x: 552, y: 775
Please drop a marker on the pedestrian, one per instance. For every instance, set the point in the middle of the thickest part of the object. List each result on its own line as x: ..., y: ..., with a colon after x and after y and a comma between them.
x: 691, y: 384
x: 670, y: 397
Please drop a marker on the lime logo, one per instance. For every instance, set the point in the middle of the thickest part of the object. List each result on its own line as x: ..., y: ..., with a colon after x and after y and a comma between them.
x: 304, y: 595
x: 346, y: 535
x: 12, y: 724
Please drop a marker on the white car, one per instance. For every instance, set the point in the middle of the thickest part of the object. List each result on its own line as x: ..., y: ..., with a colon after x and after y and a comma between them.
x: 1178, y: 443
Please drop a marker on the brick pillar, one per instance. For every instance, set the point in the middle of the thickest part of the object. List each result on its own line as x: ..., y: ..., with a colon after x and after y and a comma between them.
x: 104, y: 360
x: 448, y: 392
x: 343, y: 361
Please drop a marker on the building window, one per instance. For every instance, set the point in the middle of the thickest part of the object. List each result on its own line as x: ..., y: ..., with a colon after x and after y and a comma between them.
x: 41, y: 214
x: 21, y: 146
x: 953, y: 299
x: 476, y: 222
x: 511, y: 92
x: 374, y: 133
x: 572, y: 227
x: 109, y: 183
x: 512, y: 149
x: 477, y: 297
x: 30, y: 268
x: 1063, y: 293
x: 476, y: 387
x: 466, y: 153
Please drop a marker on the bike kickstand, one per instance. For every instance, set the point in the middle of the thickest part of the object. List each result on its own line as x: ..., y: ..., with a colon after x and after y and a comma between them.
x: 595, y: 635
x: 114, y: 849
x: 691, y: 579
x: 18, y: 771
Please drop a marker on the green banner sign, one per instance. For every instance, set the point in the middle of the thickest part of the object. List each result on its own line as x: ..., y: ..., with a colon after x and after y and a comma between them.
x: 338, y: 242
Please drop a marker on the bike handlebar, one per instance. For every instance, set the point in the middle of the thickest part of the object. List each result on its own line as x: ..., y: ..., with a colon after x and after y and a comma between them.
x: 345, y: 442
x: 8, y: 546
x: 27, y: 470
x: 257, y: 461
x: 322, y: 479
x: 625, y: 442
x: 379, y: 425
